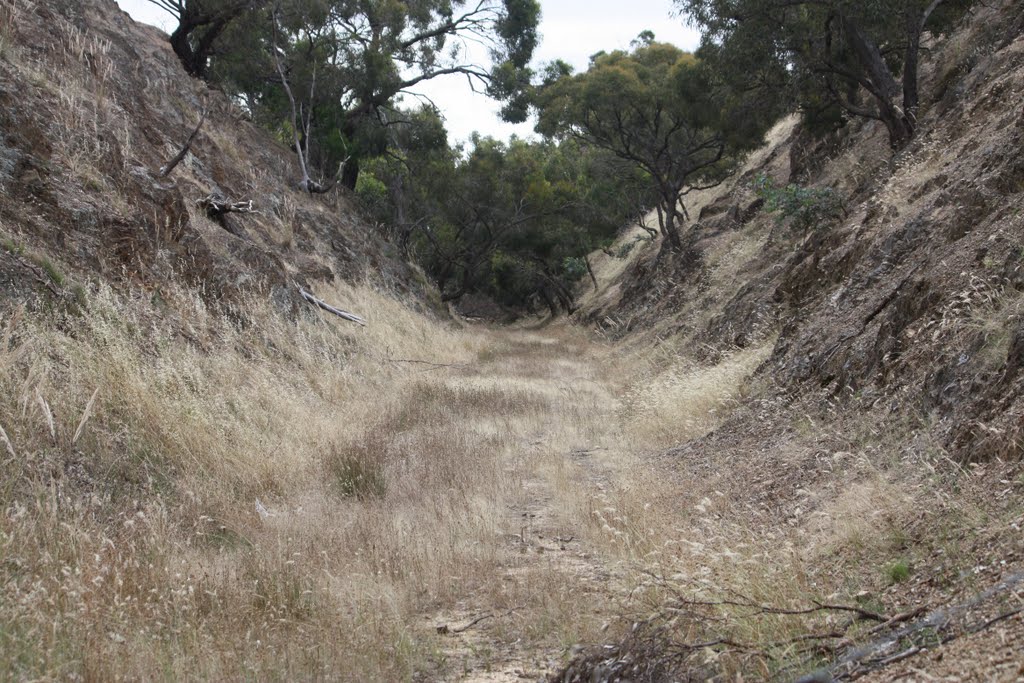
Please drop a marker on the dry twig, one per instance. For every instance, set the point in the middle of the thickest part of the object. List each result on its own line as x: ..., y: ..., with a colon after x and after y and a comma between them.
x: 446, y: 628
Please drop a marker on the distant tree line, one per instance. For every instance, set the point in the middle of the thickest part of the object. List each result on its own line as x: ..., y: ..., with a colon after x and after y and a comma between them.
x: 513, y: 220
x: 635, y: 132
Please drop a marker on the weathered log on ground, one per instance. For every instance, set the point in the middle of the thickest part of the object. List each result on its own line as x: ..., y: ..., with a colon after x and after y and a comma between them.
x: 217, y: 205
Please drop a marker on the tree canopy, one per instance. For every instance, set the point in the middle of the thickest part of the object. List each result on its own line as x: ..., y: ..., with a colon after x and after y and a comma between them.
x: 658, y: 108
x: 829, y: 53
x: 511, y: 220
x: 200, y: 26
x: 347, y: 61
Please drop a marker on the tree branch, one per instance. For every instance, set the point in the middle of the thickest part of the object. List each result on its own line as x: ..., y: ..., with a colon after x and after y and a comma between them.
x: 320, y: 303
x: 166, y: 169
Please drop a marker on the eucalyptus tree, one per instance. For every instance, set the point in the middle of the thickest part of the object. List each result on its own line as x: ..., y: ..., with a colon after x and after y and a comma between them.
x: 512, y: 220
x: 329, y: 73
x: 348, y: 62
x: 659, y: 109
x: 201, y: 23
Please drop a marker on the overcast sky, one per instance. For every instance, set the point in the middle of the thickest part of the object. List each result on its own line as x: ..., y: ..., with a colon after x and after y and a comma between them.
x: 570, y: 29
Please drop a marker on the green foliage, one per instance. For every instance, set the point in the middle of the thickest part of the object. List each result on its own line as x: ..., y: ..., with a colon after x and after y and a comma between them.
x: 897, y: 572
x: 836, y: 58
x: 509, y: 220
x: 49, y: 268
x: 372, y: 193
x: 807, y: 208
x: 11, y: 246
x: 627, y: 247
x: 658, y: 109
x: 574, y: 267
x: 348, y: 62
x: 201, y: 26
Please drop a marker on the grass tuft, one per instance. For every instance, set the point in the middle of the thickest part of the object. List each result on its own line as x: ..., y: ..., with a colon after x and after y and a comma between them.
x: 897, y: 572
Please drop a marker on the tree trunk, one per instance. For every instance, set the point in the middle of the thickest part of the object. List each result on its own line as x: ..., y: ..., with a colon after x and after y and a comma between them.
x: 911, y: 97
x: 546, y: 295
x: 564, y: 298
x: 397, y: 191
x: 453, y: 296
x: 885, y: 89
x: 915, y: 27
x: 183, y: 48
x: 195, y: 54
x: 460, y: 291
x: 350, y: 174
x: 593, y: 278
x: 668, y: 227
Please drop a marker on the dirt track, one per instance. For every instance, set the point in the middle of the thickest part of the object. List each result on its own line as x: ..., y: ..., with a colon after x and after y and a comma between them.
x: 547, y: 536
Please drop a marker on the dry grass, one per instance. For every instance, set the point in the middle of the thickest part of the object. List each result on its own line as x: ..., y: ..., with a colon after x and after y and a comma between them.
x: 697, y: 551
x: 685, y: 401
x: 10, y: 15
x: 250, y: 496
x: 136, y: 458
x: 238, y: 495
x: 275, y: 499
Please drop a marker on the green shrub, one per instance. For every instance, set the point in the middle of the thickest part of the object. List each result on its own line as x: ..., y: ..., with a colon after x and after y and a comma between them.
x: 807, y: 208
x: 373, y: 193
x: 574, y: 267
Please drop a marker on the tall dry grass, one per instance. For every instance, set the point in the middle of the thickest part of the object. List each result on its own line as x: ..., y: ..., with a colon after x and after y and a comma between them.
x: 685, y: 400
x: 136, y: 450
x: 237, y: 494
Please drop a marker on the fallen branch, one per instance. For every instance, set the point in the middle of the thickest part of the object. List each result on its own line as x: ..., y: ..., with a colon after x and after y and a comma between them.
x: 899, y: 656
x: 445, y: 628
x: 771, y: 609
x: 996, y: 620
x: 936, y: 628
x: 331, y: 309
x: 166, y: 169
x: 860, y: 611
x: 899, y: 618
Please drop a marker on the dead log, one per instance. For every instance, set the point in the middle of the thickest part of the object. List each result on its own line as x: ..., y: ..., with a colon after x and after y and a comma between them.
x: 331, y: 309
x: 217, y: 205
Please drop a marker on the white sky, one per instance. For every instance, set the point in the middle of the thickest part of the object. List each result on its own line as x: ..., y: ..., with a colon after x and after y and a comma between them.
x: 571, y: 30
